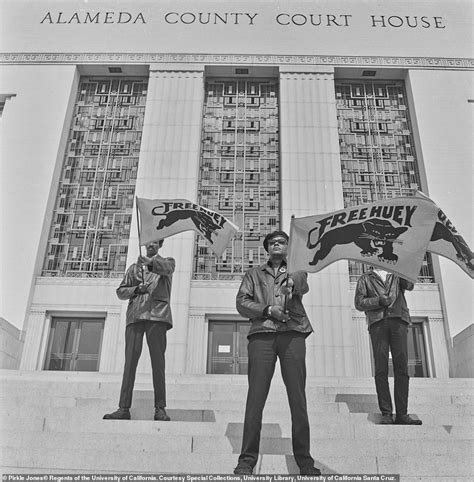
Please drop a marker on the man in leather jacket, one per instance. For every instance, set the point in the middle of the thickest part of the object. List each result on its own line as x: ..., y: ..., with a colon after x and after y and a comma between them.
x: 147, y: 287
x: 272, y: 300
x: 381, y: 296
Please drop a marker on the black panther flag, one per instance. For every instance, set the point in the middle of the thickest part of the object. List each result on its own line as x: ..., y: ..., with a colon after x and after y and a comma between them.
x: 161, y: 218
x: 448, y: 242
x: 392, y: 234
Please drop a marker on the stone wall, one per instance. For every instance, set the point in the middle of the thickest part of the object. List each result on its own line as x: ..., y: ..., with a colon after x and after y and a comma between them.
x: 463, y: 353
x: 11, y: 345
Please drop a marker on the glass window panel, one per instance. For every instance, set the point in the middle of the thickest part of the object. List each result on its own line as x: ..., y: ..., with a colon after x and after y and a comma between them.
x: 372, y: 156
x: 98, y: 179
x: 61, y: 345
x: 227, y: 348
x: 74, y: 344
x: 239, y: 175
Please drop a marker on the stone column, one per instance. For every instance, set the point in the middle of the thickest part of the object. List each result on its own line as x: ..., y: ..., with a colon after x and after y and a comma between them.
x: 438, y: 346
x: 311, y: 183
x: 35, y: 340
x: 363, y: 354
x: 168, y: 169
x: 196, y: 360
x: 113, y: 343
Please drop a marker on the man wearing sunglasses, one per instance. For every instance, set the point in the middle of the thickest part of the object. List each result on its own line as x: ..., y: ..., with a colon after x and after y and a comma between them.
x: 272, y: 300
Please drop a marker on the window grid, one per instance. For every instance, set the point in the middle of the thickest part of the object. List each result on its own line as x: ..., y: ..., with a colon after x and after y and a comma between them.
x: 378, y: 158
x: 92, y: 216
x: 239, y: 171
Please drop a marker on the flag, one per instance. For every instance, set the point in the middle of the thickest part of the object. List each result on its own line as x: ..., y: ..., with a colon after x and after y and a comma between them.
x: 446, y: 241
x: 391, y: 234
x: 160, y: 218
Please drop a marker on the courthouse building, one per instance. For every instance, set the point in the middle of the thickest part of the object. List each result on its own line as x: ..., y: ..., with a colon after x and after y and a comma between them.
x: 258, y: 110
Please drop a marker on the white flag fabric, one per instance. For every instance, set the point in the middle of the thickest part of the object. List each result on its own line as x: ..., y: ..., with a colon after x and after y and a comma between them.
x: 391, y: 234
x: 446, y: 241
x: 161, y: 218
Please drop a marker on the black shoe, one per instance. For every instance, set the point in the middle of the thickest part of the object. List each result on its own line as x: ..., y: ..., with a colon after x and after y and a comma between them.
x: 120, y: 414
x: 309, y: 470
x: 406, y: 420
x: 161, y: 415
x: 243, y: 470
x: 386, y: 419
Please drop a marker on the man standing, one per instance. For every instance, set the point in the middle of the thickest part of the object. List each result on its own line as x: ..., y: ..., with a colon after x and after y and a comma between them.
x: 381, y: 296
x: 147, y: 286
x: 272, y: 300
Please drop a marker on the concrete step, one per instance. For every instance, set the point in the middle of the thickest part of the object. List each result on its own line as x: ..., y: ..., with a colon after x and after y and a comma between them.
x: 93, y: 409
x: 109, y: 394
x: 195, y: 463
x: 211, y: 410
x: 321, y: 428
x: 273, y: 441
x: 325, y: 383
x: 103, y: 381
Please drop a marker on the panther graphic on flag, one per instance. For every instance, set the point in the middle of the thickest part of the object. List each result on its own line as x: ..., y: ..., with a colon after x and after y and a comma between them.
x: 463, y: 252
x: 203, y: 221
x: 369, y: 235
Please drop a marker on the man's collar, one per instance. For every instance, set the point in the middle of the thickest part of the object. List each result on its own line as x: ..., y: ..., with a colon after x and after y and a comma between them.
x: 269, y: 267
x: 283, y: 263
x: 373, y: 272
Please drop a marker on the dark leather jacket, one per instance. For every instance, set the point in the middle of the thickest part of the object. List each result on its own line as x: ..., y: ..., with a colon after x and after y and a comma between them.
x: 260, y: 288
x: 370, y: 286
x: 154, y: 305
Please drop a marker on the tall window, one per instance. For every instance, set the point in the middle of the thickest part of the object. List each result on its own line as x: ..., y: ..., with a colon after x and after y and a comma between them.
x: 93, y: 211
x: 74, y: 344
x: 239, y: 175
x: 378, y: 158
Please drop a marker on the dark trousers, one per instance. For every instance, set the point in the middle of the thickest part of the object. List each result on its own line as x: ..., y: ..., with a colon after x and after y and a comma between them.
x: 156, y: 339
x: 263, y: 350
x: 391, y: 333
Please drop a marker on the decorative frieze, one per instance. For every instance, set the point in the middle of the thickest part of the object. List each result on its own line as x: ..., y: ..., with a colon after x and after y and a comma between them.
x: 211, y: 59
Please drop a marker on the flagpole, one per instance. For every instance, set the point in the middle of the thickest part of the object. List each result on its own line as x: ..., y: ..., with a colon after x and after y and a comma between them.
x: 285, y: 302
x: 139, y: 244
x: 391, y: 283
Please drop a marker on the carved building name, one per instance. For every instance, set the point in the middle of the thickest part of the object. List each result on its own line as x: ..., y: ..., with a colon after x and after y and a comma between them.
x: 243, y: 18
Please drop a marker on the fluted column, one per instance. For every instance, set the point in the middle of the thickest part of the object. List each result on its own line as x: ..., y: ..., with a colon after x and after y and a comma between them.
x: 113, y: 343
x: 363, y: 354
x: 168, y: 168
x: 196, y: 359
x: 435, y: 330
x: 311, y: 183
x: 35, y: 340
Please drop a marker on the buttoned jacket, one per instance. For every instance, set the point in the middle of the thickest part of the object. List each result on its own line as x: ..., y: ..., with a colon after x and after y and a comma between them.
x: 370, y: 287
x: 154, y: 305
x: 260, y: 288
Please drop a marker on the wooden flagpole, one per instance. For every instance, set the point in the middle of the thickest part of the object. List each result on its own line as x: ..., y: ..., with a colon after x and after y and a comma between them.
x: 139, y: 243
x: 285, y: 302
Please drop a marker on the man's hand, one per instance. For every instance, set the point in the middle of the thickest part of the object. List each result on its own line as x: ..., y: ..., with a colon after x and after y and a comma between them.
x: 141, y: 289
x: 144, y: 260
x: 278, y: 313
x: 384, y: 300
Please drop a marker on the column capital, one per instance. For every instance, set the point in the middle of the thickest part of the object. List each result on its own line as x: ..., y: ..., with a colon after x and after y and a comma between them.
x: 306, y: 69
x: 176, y: 67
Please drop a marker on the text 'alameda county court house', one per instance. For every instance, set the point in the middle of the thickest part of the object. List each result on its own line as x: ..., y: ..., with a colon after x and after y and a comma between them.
x: 258, y: 111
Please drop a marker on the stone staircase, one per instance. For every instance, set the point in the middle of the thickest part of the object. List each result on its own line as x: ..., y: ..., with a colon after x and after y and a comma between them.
x: 51, y: 422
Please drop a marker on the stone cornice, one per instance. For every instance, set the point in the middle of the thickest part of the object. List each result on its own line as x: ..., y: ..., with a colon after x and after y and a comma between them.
x: 418, y: 286
x: 254, y: 59
x: 221, y: 284
x: 77, y: 281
